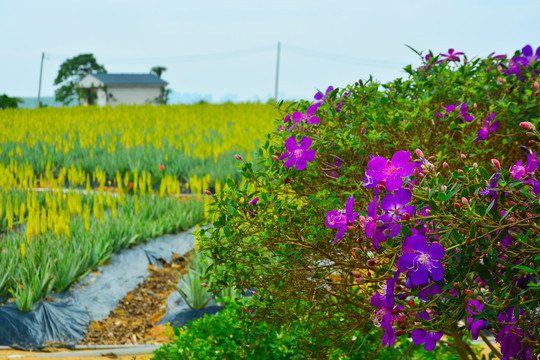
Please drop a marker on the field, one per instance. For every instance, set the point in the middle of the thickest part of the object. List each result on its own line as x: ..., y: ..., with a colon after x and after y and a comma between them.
x: 79, y: 184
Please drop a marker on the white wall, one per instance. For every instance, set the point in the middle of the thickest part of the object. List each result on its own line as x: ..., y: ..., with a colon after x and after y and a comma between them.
x: 133, y: 95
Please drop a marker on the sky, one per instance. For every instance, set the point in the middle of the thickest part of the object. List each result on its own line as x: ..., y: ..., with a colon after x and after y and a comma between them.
x: 227, y: 49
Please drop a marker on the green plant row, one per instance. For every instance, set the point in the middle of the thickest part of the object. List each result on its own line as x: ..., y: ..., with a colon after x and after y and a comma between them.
x: 52, y: 262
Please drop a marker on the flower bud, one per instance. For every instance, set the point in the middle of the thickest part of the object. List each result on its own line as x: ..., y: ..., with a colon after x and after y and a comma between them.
x: 531, y: 142
x: 535, y: 94
x: 529, y: 133
x: 457, y: 206
x: 238, y: 157
x: 406, y: 217
x: 475, y: 106
x: 499, y: 69
x: 511, y: 203
x: 204, y: 285
x: 208, y: 192
x: 460, y: 171
x: 445, y: 165
x: 359, y: 279
x: 496, y: 163
x: 416, y: 171
x: 443, y: 188
x: 463, y: 157
x: 419, y: 153
x: 380, y: 186
x: 275, y: 158
x: 355, y: 273
x: 371, y: 262
x: 468, y: 292
x: 536, y: 85
x: 411, y: 303
x: 526, y: 125
x: 465, y: 200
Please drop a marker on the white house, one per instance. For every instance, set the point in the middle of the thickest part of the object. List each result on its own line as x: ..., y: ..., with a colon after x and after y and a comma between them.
x: 116, y: 89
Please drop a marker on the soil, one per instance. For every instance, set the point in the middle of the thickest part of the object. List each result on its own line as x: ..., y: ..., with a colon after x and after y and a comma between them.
x: 134, y: 319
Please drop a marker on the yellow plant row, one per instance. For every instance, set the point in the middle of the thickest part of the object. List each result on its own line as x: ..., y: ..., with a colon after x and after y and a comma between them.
x: 199, y: 131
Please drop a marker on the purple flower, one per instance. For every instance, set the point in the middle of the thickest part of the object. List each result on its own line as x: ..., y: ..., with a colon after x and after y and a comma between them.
x: 528, y: 55
x: 518, y: 170
x: 452, y: 56
x: 298, y: 155
x: 254, y: 201
x: 475, y: 307
x: 421, y: 336
x: 448, y: 109
x: 489, y: 126
x: 396, y: 205
x: 375, y: 225
x: 463, y: 113
x: 392, y: 172
x: 492, y: 190
x: 341, y: 219
x: 298, y: 117
x: 424, y: 262
x: 319, y: 95
x: 383, y: 317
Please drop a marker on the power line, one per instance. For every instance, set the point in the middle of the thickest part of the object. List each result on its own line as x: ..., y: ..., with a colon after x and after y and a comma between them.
x: 342, y: 58
x: 179, y: 59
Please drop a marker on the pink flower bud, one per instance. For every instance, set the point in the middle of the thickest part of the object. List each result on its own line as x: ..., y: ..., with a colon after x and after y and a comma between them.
x: 526, y: 125
x: 204, y: 285
x: 535, y: 94
x: 460, y: 171
x: 536, y: 85
x: 499, y: 69
x: 445, y: 165
x: 359, y: 279
x: 475, y: 165
x: 529, y: 133
x: 238, y: 157
x: 208, y: 192
x: 463, y: 157
x: 465, y: 200
x: 475, y: 106
x: 406, y: 217
x: 457, y: 206
x: 275, y: 158
x: 419, y: 153
x: 531, y: 142
x: 443, y: 188
x: 511, y: 203
x: 371, y: 262
x: 496, y: 163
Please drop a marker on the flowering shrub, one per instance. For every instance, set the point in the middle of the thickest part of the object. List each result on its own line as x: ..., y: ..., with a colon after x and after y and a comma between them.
x: 437, y: 244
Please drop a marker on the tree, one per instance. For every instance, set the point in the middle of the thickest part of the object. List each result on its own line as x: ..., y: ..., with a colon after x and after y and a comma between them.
x: 164, y: 97
x: 71, y: 72
x: 158, y: 70
x: 7, y: 102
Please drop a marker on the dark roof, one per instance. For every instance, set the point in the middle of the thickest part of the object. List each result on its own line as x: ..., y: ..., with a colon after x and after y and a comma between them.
x: 130, y: 79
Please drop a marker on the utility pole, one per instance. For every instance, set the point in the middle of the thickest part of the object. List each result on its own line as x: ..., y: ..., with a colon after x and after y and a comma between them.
x: 40, y: 74
x: 277, y: 71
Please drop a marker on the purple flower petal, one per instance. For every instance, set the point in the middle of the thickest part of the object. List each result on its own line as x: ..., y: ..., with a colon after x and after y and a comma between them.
x: 305, y: 143
x: 406, y: 262
x: 402, y: 197
x: 377, y: 163
x: 314, y: 120
x: 290, y: 144
x: 527, y: 51
x: 436, y: 271
x: 401, y: 158
x: 298, y: 117
x: 419, y: 275
x: 290, y: 162
x: 340, y: 233
x: 349, y: 207
x: 309, y: 155
x: 301, y: 163
x: 418, y: 336
x: 436, y: 251
x: 393, y: 182
x: 418, y: 243
x: 285, y: 155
